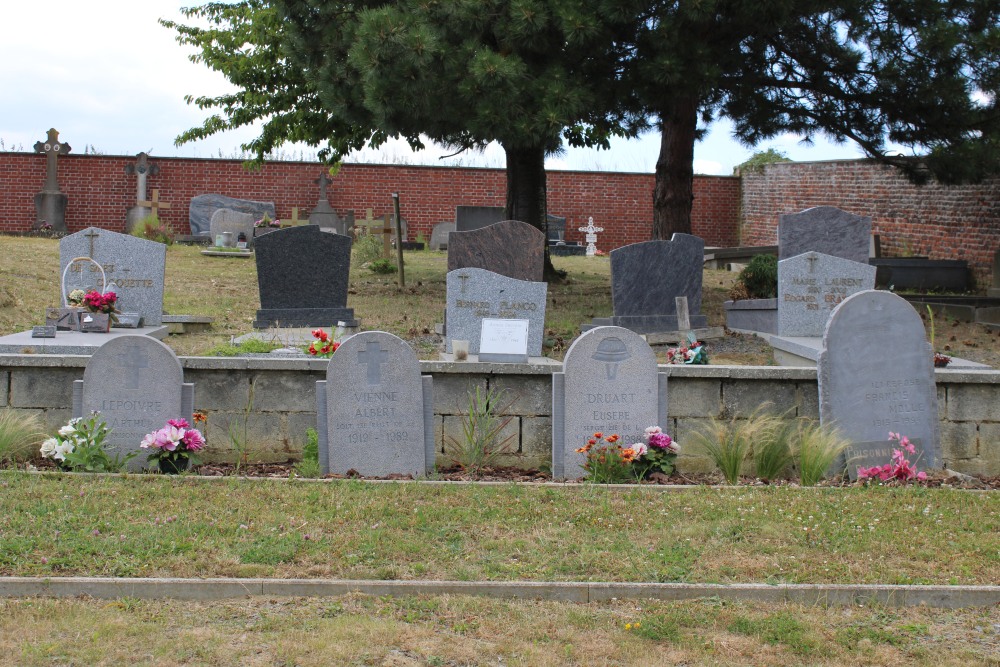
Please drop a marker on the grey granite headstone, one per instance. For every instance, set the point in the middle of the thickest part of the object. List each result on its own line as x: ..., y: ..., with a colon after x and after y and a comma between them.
x: 647, y: 278
x: 825, y: 229
x: 203, y: 206
x: 476, y: 294
x: 510, y: 248
x: 134, y: 269
x: 375, y: 410
x: 811, y: 285
x: 610, y: 383
x: 876, y: 375
x: 468, y: 218
x: 302, y: 275
x: 228, y: 220
x: 439, y: 235
x: 137, y: 384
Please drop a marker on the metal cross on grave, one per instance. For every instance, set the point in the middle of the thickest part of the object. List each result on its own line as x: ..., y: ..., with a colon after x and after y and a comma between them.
x: 591, y: 237
x: 52, y: 148
x: 374, y: 356
x: 154, y: 203
x: 133, y: 360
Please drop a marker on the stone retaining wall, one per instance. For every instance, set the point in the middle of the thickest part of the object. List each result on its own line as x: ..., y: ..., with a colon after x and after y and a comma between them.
x: 277, y: 399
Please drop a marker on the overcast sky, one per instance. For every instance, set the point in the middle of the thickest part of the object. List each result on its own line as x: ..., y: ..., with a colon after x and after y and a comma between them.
x: 108, y: 76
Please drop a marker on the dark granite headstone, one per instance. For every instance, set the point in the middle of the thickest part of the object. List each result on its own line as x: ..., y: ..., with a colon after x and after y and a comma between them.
x: 876, y: 375
x: 468, y: 218
x: 510, y: 248
x: 137, y: 384
x: 302, y: 274
x: 556, y: 227
x: 647, y: 278
x: 375, y: 410
x: 825, y: 229
x: 203, y: 206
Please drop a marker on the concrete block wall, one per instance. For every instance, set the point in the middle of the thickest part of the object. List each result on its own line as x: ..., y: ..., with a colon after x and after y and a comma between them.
x: 274, y: 399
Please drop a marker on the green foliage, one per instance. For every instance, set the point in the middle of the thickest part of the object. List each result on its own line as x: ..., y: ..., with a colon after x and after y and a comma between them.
x: 482, y: 428
x: 772, y: 456
x: 152, y: 228
x: 248, y: 346
x: 382, y: 266
x: 759, y: 279
x: 20, y: 435
x: 817, y: 447
x: 239, y: 429
x: 756, y: 163
x: 309, y: 465
x: 730, y: 443
x: 81, y: 444
x: 367, y: 248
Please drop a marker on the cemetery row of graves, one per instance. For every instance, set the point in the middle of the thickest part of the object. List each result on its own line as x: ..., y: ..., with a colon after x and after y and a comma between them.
x: 609, y: 416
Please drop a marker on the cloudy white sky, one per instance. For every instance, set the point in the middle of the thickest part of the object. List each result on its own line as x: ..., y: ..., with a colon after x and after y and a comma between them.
x: 108, y: 76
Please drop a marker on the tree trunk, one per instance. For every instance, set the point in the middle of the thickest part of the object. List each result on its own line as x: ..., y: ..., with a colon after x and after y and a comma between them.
x: 526, y: 194
x: 673, y: 192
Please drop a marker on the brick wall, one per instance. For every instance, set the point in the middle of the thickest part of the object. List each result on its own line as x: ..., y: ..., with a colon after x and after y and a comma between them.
x: 934, y: 220
x: 100, y: 193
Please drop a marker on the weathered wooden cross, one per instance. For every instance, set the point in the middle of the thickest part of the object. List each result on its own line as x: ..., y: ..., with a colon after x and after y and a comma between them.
x: 52, y: 148
x: 368, y: 225
x: 155, y: 203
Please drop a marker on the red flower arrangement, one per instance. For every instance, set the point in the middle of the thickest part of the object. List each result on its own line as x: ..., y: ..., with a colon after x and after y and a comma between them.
x: 96, y: 302
x: 323, y: 346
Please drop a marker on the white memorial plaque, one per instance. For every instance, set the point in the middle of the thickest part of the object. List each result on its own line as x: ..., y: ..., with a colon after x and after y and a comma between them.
x: 504, y: 341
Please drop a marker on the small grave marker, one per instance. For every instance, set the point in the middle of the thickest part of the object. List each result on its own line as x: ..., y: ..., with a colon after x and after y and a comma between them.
x: 591, y: 236
x: 504, y: 341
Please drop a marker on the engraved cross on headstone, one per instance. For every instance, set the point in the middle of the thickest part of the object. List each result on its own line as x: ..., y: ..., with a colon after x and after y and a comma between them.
x: 52, y: 148
x: 812, y: 262
x: 154, y: 203
x: 133, y: 360
x: 91, y: 235
x: 374, y: 356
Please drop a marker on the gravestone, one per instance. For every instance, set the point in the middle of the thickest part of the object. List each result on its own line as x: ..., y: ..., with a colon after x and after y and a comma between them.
x: 609, y: 384
x: 590, y: 237
x: 323, y: 214
x: 439, y: 235
x: 876, y: 375
x: 825, y: 229
x: 226, y: 220
x: 134, y: 269
x: 647, y: 278
x: 811, y: 285
x: 141, y: 169
x: 556, y: 229
x: 50, y: 203
x: 137, y: 384
x: 375, y: 410
x: 203, y: 206
x: 476, y: 294
x: 510, y: 248
x: 469, y: 218
x: 302, y: 276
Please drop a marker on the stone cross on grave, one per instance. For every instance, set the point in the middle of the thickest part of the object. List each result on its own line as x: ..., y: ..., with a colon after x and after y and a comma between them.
x: 133, y: 361
x: 323, y: 181
x: 374, y: 356
x: 155, y: 203
x: 141, y: 169
x: 591, y: 237
x: 52, y: 148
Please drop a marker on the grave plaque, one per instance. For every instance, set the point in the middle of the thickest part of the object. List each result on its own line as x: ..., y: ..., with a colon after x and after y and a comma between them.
x: 375, y: 410
x: 302, y: 275
x: 609, y: 384
x: 504, y: 341
x: 646, y: 280
x: 811, y: 285
x: 134, y: 269
x: 825, y: 229
x: 43, y: 332
x: 510, y: 248
x: 137, y: 384
x: 876, y: 375
x: 475, y: 294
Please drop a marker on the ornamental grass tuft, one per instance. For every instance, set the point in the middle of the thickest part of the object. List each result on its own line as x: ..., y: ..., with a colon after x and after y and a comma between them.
x: 20, y: 436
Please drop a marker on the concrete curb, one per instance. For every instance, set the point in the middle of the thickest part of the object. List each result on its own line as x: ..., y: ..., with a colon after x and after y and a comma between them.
x: 950, y: 597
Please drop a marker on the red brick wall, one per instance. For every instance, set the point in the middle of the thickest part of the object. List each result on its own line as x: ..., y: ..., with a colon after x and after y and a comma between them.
x: 938, y: 221
x: 100, y: 193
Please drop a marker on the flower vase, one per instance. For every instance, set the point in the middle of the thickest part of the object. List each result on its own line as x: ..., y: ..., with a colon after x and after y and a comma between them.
x: 173, y: 466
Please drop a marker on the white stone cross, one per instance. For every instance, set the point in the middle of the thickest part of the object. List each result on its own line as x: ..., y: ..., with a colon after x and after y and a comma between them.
x: 591, y: 237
